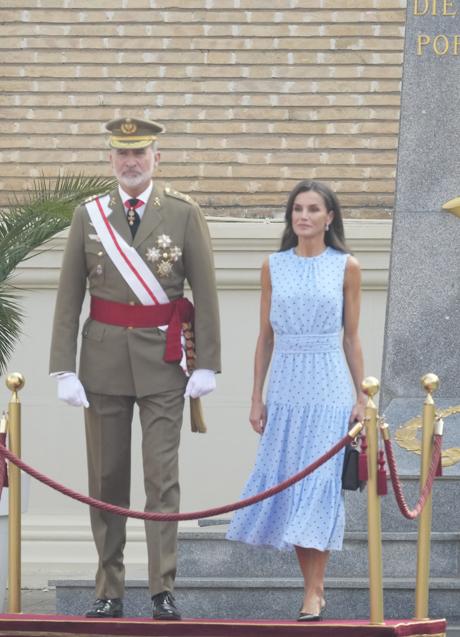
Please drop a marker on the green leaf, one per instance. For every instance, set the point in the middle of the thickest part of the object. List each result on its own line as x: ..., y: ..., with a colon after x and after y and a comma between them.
x: 10, y: 325
x: 28, y: 223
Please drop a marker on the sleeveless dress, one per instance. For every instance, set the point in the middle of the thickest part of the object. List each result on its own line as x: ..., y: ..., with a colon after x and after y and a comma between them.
x: 309, y: 401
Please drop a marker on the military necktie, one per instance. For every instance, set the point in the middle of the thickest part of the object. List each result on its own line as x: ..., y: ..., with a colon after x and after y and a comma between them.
x: 132, y: 215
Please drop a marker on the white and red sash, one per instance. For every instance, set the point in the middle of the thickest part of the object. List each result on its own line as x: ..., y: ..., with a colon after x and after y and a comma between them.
x: 125, y: 258
x: 128, y: 262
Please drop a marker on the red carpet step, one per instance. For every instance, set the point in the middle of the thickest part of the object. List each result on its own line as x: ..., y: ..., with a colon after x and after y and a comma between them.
x: 65, y: 626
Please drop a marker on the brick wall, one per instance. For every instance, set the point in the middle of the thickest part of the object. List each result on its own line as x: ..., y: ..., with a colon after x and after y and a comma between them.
x: 255, y: 95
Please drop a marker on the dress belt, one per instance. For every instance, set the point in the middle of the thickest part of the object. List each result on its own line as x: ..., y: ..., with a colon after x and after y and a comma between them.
x: 172, y: 314
x: 307, y: 343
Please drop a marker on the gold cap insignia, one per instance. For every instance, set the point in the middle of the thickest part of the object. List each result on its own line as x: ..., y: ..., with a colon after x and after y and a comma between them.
x: 128, y: 127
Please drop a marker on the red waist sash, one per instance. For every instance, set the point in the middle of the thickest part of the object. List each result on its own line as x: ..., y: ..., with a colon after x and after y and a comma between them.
x: 172, y: 314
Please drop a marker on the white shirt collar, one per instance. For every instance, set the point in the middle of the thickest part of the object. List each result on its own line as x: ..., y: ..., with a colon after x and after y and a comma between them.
x: 144, y: 196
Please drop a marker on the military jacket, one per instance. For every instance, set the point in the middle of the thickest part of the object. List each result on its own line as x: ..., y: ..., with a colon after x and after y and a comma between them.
x: 124, y: 360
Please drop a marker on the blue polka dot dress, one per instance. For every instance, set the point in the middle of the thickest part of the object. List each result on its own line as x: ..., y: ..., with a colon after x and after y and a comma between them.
x: 309, y: 400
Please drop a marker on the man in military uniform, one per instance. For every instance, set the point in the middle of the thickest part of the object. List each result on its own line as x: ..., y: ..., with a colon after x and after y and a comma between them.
x: 134, y: 248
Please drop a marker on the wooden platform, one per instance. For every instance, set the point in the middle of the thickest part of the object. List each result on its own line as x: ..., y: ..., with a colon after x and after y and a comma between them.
x: 64, y: 626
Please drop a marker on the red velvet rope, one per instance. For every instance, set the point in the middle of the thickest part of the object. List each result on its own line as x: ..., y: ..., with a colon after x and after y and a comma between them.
x: 411, y: 514
x: 145, y: 515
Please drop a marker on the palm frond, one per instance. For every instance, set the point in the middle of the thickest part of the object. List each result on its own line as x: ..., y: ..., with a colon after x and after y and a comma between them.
x: 64, y: 189
x: 21, y: 232
x: 28, y: 223
x: 10, y: 325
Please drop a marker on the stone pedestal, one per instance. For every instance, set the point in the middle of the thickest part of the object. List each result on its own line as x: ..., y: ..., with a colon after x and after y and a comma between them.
x: 423, y: 313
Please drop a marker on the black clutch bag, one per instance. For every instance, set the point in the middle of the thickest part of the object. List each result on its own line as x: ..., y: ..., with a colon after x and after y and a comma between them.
x: 350, y: 471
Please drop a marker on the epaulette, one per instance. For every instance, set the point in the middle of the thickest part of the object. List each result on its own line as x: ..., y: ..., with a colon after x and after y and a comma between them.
x: 170, y: 192
x: 93, y: 197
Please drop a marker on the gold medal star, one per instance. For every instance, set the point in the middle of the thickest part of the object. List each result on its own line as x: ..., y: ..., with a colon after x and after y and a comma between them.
x: 175, y: 253
x: 164, y: 268
x: 152, y: 255
x: 164, y: 241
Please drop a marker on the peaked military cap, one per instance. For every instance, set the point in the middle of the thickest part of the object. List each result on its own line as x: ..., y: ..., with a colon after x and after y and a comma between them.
x: 130, y: 132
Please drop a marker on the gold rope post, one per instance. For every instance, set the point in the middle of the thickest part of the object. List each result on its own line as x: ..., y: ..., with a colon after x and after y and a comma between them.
x: 14, y: 382
x: 370, y: 386
x: 430, y: 383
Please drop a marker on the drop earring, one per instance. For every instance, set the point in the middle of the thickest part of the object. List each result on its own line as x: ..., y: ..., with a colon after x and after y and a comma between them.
x: 327, y: 227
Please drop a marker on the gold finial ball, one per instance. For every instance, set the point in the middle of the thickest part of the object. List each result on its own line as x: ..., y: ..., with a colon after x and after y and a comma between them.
x: 15, y: 381
x: 430, y: 383
x: 370, y: 386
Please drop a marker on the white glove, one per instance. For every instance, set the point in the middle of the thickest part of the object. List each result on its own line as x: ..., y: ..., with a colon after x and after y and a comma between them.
x: 70, y: 390
x: 200, y: 383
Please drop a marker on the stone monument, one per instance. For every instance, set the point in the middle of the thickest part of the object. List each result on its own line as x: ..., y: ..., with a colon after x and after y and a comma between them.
x: 423, y: 313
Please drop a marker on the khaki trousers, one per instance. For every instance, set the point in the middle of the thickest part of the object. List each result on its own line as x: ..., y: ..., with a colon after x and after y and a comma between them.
x: 108, y: 439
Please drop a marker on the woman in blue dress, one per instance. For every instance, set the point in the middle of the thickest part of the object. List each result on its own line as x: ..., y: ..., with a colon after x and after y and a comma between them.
x: 309, y: 314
